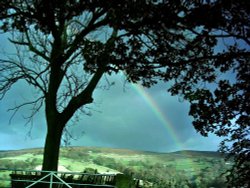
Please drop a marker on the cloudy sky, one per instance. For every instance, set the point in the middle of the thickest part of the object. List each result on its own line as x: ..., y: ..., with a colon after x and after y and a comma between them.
x: 121, y: 117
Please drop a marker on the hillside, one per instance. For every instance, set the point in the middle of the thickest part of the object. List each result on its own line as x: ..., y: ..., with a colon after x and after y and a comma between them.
x: 177, y: 169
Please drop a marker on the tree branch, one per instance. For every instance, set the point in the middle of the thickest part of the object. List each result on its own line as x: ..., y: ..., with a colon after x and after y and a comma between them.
x: 91, y: 27
x: 85, y: 97
x: 35, y: 108
x: 31, y: 47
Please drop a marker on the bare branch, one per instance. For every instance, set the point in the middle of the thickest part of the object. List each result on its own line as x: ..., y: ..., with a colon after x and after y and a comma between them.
x: 30, y: 46
x: 91, y: 26
x: 85, y: 97
x: 9, y: 75
x: 37, y: 104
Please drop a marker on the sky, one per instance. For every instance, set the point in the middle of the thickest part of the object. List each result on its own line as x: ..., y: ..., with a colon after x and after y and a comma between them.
x: 127, y: 117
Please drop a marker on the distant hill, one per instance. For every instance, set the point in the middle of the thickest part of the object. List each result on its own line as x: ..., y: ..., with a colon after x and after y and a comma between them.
x: 178, y: 169
x: 119, y: 151
x: 199, y: 153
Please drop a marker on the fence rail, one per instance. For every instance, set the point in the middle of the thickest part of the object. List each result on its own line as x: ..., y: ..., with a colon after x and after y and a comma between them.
x: 57, y: 179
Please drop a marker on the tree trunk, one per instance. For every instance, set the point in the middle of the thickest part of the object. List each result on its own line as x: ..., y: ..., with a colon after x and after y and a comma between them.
x: 52, y: 144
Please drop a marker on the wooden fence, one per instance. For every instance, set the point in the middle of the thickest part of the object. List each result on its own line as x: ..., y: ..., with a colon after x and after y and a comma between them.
x: 54, y: 179
x: 57, y: 179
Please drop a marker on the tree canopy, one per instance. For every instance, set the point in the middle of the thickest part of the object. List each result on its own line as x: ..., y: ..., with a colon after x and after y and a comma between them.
x: 64, y: 47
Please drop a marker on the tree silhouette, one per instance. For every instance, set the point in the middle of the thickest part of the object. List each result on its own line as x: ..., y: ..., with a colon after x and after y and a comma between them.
x: 66, y: 46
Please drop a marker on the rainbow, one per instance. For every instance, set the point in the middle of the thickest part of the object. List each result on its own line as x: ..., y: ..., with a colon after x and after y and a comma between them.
x: 159, y: 115
x: 164, y: 121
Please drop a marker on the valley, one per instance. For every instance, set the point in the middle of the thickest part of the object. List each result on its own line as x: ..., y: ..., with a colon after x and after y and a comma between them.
x: 194, y: 169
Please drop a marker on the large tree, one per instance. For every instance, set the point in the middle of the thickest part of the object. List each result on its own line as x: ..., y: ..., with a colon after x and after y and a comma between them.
x: 64, y: 47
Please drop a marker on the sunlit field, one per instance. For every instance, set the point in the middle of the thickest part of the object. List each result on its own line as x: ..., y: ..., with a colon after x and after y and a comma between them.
x: 177, y: 169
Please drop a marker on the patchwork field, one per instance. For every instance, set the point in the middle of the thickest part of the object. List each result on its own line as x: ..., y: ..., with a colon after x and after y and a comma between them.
x: 178, y: 169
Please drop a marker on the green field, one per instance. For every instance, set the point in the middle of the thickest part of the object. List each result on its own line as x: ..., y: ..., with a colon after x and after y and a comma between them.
x: 179, y: 169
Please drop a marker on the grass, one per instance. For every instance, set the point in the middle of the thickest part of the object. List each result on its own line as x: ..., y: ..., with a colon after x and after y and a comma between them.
x: 182, y: 166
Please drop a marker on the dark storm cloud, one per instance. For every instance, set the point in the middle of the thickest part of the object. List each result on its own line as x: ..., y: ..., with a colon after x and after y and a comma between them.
x: 14, y: 133
x: 127, y: 121
x: 120, y: 118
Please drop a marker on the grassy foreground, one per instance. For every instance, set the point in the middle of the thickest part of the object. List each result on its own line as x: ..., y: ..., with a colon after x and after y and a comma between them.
x: 194, y: 169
